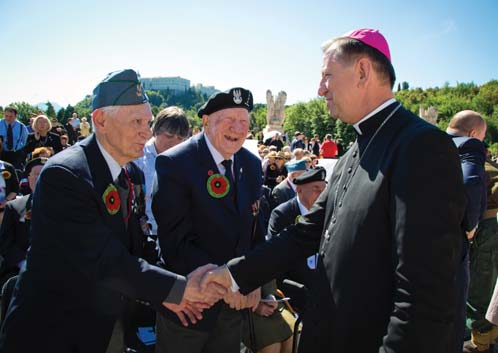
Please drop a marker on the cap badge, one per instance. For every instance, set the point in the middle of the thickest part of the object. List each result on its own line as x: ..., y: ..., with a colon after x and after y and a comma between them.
x: 237, y: 96
x: 139, y: 90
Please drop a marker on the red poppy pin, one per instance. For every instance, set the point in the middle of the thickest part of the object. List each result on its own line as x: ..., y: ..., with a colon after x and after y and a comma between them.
x: 6, y: 174
x: 210, y: 172
x: 272, y: 167
x: 218, y: 186
x: 111, y: 199
x: 27, y: 216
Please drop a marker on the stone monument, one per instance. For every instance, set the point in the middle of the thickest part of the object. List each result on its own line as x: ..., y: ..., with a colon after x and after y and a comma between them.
x: 429, y: 114
x: 275, y: 114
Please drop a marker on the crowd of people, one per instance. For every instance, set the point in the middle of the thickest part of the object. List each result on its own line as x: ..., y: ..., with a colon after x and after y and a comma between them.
x: 135, y: 222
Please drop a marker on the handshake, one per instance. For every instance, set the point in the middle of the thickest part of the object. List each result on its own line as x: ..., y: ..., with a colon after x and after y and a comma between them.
x: 205, y: 286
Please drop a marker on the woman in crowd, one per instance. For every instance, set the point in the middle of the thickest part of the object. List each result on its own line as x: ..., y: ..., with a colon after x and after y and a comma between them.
x: 84, y: 127
x: 42, y: 137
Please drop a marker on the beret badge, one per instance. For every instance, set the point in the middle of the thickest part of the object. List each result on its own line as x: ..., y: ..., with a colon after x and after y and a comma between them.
x: 237, y: 96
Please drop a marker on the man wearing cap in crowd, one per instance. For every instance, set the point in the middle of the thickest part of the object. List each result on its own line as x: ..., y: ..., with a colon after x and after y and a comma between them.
x: 205, y: 203
x: 388, y: 228
x: 286, y: 190
x: 298, y: 141
x: 309, y: 186
x: 84, y: 257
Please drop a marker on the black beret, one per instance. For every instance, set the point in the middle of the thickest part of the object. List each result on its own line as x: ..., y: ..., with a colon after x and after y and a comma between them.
x: 119, y: 88
x: 317, y: 174
x: 237, y: 97
x: 33, y: 163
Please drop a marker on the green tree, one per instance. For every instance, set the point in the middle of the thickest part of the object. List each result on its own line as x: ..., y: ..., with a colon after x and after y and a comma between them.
x: 50, y: 111
x: 155, y: 98
x: 84, y: 107
x: 344, y: 132
x: 258, y: 117
x: 68, y: 113
x: 60, y: 114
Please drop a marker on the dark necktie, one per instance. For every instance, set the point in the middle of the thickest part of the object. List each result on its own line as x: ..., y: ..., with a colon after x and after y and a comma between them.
x: 124, y: 184
x: 227, y: 163
x: 10, y: 138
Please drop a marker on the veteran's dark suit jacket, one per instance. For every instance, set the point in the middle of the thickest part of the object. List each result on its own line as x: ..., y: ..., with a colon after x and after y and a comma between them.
x: 389, y: 254
x: 14, y: 234
x: 81, y: 263
x: 472, y: 156
x: 195, y: 228
x: 281, y: 193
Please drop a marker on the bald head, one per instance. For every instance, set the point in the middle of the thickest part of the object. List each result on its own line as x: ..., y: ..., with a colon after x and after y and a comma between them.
x: 467, y: 123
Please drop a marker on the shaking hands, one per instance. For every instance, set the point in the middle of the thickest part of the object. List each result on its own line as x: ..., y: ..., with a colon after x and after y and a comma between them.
x: 205, y: 286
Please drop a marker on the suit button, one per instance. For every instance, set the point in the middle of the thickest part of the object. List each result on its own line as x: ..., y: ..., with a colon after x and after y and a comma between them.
x: 344, y: 187
x: 355, y: 154
x: 327, y: 236
x: 350, y: 170
x: 322, y: 253
x: 340, y: 204
x: 334, y: 220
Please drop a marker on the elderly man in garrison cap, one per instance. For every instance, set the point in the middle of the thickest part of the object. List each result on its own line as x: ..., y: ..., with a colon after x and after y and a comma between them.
x: 286, y: 189
x: 205, y: 203
x: 388, y: 228
x: 84, y: 260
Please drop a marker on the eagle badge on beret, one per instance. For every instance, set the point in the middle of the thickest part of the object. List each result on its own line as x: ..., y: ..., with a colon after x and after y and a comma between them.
x: 237, y: 96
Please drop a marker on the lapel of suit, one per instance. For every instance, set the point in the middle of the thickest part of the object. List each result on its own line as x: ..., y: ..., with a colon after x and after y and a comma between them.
x: 208, y: 165
x: 102, y: 179
x: 240, y: 180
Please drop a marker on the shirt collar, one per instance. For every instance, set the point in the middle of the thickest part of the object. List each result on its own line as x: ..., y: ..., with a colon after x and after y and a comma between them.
x: 218, y: 158
x: 372, y: 113
x: 304, y: 211
x: 150, y: 147
x: 114, y: 167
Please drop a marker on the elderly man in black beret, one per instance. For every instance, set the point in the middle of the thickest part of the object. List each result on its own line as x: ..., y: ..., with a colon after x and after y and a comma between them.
x: 205, y: 203
x: 84, y: 259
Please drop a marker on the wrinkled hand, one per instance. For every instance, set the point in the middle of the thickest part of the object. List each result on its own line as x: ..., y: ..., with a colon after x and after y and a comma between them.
x: 267, y: 308
x: 208, y: 293
x: 186, y: 309
x: 221, y: 276
x: 238, y: 301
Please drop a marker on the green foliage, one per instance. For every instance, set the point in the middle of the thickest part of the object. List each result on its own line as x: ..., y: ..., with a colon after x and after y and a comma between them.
x: 155, y: 98
x: 83, y: 108
x: 60, y: 114
x: 68, y: 112
x: 50, y: 111
x: 344, y: 132
x: 258, y: 117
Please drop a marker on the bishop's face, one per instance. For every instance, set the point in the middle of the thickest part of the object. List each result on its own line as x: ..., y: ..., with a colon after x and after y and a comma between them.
x: 338, y: 87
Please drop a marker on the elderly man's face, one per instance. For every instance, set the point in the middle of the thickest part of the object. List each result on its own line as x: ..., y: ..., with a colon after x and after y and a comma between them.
x: 227, y: 130
x: 338, y: 87
x: 123, y: 133
x: 308, y: 193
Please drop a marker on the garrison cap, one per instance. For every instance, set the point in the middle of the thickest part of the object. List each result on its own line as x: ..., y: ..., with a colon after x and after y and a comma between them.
x: 33, y: 163
x: 294, y: 166
x: 317, y: 174
x: 237, y: 97
x: 119, y: 88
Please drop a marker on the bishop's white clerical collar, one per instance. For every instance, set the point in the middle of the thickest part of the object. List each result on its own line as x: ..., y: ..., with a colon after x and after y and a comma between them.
x: 372, y: 113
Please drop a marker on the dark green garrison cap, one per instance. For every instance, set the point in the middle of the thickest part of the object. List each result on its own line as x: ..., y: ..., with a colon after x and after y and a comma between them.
x: 119, y: 88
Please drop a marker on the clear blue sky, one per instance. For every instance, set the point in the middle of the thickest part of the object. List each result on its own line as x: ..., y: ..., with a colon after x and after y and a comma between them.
x: 59, y: 50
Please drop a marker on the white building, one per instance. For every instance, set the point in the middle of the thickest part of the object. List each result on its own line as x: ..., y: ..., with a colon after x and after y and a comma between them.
x: 176, y: 84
